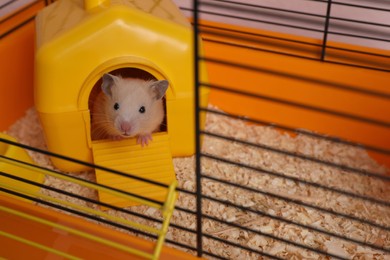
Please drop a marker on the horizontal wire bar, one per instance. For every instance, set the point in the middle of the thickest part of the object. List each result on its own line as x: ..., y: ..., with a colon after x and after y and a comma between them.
x: 88, y: 236
x: 7, y: 3
x: 186, y: 191
x: 17, y: 13
x: 343, y: 3
x: 361, y: 6
x: 206, y: 32
x: 281, y: 10
x: 298, y: 202
x: 329, y: 46
x: 87, y: 183
x: 185, y: 210
x: 287, y: 221
x: 103, y: 204
x: 95, y: 218
x: 80, y: 162
x: 99, y: 219
x: 176, y: 243
x: 256, y: 20
x: 296, y: 179
x: 215, y: 256
x: 123, y: 210
x: 84, y: 208
x: 90, y: 165
x: 224, y: 241
x: 356, y: 171
x: 257, y: 49
x: 259, y: 7
x: 358, y: 36
x: 300, y: 105
x: 301, y: 156
x: 298, y: 131
x: 228, y: 33
x: 328, y: 84
x: 359, y: 22
x: 77, y: 196
x: 356, y: 65
x: 286, y: 241
x: 76, y: 212
x: 301, y: 27
x: 319, y: 1
x: 20, y: 25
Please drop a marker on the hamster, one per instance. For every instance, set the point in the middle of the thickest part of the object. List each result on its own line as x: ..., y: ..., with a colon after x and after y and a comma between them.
x: 128, y: 107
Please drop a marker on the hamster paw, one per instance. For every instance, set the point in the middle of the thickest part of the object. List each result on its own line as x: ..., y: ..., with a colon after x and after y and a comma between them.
x: 143, y: 140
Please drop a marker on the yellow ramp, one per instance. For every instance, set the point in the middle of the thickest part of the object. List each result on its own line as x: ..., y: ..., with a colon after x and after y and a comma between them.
x: 13, y: 161
x: 153, y: 162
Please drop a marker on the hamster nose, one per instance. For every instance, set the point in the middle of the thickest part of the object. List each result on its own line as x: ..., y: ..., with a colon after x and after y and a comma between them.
x: 125, y: 127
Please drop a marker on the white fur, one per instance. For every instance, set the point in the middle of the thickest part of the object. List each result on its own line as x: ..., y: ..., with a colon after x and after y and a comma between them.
x: 130, y: 94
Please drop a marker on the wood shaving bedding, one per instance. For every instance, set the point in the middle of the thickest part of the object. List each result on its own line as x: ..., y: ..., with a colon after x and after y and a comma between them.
x: 273, y: 166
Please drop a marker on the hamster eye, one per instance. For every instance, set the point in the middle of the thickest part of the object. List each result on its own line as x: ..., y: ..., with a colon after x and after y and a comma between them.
x: 116, y: 106
x: 142, y: 109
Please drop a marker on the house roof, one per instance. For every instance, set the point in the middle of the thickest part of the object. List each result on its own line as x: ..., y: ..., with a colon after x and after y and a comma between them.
x: 63, y: 15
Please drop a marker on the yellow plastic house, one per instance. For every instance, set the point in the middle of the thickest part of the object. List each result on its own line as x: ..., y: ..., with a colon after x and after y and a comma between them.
x: 77, y: 42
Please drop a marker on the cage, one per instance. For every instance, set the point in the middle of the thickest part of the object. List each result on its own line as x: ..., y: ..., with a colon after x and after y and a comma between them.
x: 295, y: 155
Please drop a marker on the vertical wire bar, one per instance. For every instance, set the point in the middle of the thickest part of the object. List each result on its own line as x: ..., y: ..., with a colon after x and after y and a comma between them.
x: 199, y: 244
x: 326, y: 29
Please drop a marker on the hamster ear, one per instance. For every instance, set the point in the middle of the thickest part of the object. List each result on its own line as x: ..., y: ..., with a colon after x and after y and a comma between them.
x: 158, y: 88
x: 107, y: 82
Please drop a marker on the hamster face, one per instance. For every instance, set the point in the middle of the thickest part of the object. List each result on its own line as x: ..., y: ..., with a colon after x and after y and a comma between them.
x: 132, y: 106
x: 133, y: 110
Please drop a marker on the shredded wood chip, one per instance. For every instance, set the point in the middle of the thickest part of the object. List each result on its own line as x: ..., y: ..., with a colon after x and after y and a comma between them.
x: 261, y: 218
